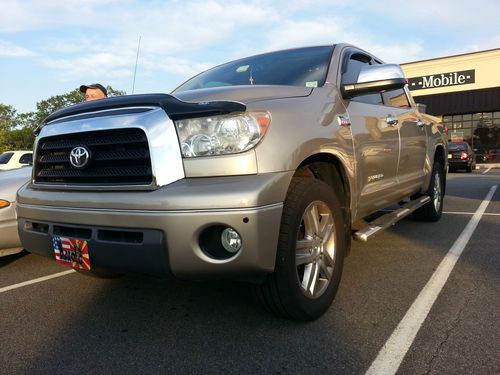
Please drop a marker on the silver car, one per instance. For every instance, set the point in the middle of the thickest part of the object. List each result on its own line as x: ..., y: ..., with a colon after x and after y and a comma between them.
x: 10, y: 182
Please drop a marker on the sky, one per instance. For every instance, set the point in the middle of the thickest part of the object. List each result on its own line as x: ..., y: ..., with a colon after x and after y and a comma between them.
x: 51, y: 47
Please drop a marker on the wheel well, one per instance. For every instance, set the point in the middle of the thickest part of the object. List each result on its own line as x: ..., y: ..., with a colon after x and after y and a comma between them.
x: 329, y: 169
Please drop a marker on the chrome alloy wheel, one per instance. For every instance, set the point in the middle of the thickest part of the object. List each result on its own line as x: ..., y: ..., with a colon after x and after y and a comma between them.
x: 315, y: 249
x: 437, y: 191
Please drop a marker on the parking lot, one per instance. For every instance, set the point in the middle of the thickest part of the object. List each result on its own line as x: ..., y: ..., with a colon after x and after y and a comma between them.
x: 73, y: 323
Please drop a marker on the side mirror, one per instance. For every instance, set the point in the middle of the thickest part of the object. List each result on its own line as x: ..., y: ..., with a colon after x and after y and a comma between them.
x: 375, y: 79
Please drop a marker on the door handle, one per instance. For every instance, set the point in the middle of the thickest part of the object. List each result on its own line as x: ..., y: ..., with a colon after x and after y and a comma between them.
x: 420, y: 124
x: 391, y: 120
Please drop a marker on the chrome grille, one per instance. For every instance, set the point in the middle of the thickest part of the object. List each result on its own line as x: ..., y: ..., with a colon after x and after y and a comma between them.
x: 118, y: 157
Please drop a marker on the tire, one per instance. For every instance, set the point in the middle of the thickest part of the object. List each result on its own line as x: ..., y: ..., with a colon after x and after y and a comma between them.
x: 432, y: 210
x: 468, y: 168
x: 305, y: 280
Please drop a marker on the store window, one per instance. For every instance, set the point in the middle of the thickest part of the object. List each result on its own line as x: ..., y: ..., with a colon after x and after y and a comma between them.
x: 480, y: 130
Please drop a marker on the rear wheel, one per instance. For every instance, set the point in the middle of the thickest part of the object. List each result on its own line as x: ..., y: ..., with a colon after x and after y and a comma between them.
x: 310, y: 253
x: 433, y: 209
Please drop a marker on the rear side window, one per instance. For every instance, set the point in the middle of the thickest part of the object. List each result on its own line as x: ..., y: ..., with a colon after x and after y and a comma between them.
x: 5, y: 157
x: 26, y: 158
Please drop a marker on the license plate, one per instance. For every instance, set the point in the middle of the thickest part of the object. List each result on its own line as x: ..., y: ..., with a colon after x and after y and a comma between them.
x: 450, y: 156
x: 71, y: 252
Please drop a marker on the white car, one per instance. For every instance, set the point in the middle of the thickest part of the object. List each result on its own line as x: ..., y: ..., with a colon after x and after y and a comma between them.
x: 15, y: 159
x: 10, y: 182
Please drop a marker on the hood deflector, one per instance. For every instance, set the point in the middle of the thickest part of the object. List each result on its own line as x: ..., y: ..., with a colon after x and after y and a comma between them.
x: 174, y: 107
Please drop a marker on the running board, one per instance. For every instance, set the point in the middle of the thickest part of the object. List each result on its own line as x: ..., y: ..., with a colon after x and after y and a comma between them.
x: 386, y: 220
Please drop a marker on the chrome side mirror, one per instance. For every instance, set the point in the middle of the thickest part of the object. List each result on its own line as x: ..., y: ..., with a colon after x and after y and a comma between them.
x: 375, y: 79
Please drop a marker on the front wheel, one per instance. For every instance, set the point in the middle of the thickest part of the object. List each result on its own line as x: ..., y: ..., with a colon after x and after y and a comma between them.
x: 310, y: 253
x: 432, y: 210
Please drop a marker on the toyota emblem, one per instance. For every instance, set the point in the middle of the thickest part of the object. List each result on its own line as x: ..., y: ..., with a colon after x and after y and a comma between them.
x: 79, y: 157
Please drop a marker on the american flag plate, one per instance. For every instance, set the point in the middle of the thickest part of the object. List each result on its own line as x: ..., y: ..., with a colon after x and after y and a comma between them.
x: 71, y: 252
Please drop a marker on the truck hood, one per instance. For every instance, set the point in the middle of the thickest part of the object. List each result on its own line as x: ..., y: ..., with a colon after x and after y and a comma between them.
x: 243, y: 94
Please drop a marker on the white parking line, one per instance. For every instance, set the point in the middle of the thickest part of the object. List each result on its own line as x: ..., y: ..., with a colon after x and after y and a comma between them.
x: 394, y: 350
x: 486, y: 171
x: 34, y: 281
x: 469, y: 213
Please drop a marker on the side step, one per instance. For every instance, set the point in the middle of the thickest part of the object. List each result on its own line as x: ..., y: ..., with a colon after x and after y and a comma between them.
x: 386, y: 220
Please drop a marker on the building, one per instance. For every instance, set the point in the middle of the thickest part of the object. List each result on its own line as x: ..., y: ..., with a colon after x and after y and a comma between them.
x: 464, y: 91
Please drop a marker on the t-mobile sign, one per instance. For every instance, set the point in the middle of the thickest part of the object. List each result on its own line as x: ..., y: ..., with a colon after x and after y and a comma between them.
x: 442, y: 80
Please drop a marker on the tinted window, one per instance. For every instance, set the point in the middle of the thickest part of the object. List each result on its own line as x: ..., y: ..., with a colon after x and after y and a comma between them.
x: 26, y: 158
x: 354, y: 66
x: 5, y: 157
x: 297, y: 67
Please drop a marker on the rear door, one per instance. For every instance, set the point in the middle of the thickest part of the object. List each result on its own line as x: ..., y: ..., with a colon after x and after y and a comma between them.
x: 412, y: 130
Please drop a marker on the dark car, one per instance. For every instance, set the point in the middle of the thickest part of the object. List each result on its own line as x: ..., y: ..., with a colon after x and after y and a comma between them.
x: 461, y: 156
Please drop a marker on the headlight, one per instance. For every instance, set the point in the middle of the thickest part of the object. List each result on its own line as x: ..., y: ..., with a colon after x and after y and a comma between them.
x: 222, y: 135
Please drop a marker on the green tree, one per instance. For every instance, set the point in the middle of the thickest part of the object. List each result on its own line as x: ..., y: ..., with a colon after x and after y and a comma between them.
x: 7, y: 117
x: 7, y: 122
x: 19, y: 139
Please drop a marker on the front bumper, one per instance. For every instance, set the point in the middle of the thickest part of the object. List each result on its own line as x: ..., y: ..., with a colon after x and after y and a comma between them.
x: 457, y: 163
x: 159, y: 231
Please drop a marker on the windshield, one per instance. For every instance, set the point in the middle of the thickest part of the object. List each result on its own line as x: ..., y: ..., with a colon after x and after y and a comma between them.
x: 296, y: 67
x: 5, y: 157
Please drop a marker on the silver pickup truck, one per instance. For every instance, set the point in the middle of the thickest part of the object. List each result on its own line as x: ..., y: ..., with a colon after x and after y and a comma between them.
x: 261, y: 169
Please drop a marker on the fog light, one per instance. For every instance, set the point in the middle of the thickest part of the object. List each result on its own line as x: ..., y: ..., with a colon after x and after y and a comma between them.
x: 231, y: 240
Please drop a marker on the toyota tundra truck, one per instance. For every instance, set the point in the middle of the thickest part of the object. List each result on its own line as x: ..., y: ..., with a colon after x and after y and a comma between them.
x: 261, y: 169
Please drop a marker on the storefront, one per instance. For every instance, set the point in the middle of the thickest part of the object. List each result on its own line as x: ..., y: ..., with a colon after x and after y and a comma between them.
x: 464, y: 91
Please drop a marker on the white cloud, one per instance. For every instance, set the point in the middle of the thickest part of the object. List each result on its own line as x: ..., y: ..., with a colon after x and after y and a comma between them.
x: 12, y: 50
x: 94, y: 66
x: 30, y: 15
x: 335, y: 30
x: 483, y: 44
x: 303, y: 33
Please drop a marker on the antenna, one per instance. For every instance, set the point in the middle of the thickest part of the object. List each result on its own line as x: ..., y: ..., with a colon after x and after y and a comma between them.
x: 136, y: 59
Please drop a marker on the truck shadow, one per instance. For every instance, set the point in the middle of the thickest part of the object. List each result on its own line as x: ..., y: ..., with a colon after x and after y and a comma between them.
x: 147, y: 325
x: 139, y: 325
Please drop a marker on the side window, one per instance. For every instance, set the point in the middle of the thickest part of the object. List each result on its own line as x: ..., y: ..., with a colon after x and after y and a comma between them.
x: 351, y: 73
x: 396, y: 98
x: 26, y: 158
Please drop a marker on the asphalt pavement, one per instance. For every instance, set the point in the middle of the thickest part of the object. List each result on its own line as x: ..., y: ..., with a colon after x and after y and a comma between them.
x: 76, y: 324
